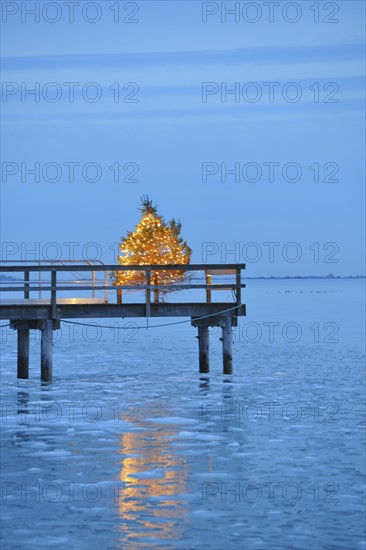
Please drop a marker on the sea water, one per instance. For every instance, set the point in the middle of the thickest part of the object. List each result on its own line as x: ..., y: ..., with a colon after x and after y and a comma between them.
x: 130, y: 447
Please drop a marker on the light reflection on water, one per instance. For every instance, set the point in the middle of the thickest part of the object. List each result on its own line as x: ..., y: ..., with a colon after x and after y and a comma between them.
x: 153, y: 479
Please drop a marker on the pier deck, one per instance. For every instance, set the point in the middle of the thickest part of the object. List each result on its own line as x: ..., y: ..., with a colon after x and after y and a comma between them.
x: 35, y: 299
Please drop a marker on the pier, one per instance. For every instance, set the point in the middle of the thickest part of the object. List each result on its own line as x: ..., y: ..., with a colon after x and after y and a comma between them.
x: 39, y: 297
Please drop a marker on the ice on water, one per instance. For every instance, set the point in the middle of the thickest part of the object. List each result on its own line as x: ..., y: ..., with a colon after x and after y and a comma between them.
x: 131, y: 448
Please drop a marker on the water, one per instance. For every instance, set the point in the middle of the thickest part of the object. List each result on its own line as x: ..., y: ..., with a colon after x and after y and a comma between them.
x: 130, y: 447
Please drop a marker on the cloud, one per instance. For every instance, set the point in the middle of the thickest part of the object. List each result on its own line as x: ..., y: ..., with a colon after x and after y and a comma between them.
x: 308, y: 54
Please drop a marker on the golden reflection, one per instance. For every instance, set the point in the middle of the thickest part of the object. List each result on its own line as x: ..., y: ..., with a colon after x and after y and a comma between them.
x: 153, y: 477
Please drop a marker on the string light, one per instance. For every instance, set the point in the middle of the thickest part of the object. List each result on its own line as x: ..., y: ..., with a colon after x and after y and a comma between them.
x: 153, y: 242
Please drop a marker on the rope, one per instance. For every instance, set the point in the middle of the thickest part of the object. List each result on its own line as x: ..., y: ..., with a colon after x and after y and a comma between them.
x: 152, y: 326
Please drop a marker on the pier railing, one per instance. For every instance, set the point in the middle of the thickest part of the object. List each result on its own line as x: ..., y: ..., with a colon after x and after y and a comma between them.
x: 41, y: 284
x: 50, y: 278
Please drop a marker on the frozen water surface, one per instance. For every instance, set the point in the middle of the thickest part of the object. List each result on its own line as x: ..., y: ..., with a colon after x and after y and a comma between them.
x: 130, y: 447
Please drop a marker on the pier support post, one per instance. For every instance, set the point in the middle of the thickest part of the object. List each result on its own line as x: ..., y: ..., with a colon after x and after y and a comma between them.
x: 46, y: 350
x: 227, y: 346
x: 23, y: 353
x: 203, y: 347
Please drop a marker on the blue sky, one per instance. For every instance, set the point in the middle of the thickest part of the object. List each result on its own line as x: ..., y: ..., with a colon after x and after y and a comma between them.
x: 169, y: 132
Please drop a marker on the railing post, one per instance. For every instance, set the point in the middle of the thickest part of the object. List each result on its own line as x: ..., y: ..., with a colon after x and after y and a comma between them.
x: 119, y: 295
x: 26, y: 285
x: 53, y: 294
x: 93, y: 284
x: 208, y: 291
x: 238, y: 286
x: 148, y: 298
x: 118, y: 290
x: 106, y: 297
x: 156, y: 291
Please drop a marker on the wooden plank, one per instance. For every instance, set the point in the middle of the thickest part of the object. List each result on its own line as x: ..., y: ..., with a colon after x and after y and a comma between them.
x: 220, y: 271
x: 161, y: 309
x: 22, y: 312
x: 33, y: 324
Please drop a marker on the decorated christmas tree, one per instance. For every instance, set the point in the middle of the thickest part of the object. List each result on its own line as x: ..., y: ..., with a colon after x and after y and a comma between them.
x: 154, y: 241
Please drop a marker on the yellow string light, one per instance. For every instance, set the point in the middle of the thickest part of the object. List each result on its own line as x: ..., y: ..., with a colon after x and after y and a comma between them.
x: 153, y: 242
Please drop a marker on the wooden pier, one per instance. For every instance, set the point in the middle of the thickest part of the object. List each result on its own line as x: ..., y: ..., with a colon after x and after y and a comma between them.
x: 21, y: 283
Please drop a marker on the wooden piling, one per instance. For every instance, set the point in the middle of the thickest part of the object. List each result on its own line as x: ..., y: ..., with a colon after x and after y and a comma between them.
x: 23, y: 353
x: 46, y: 350
x: 203, y: 347
x: 227, y: 346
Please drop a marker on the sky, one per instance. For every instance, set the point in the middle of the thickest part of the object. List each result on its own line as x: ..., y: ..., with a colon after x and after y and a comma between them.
x: 248, y: 127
